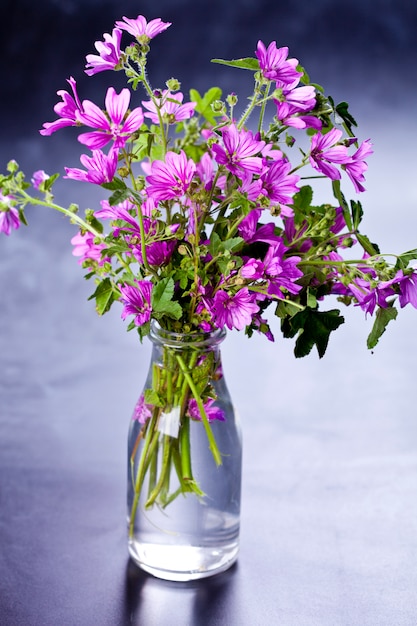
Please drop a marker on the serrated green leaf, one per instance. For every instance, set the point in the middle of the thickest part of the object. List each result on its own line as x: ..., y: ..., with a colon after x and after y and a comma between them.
x: 382, y: 318
x: 161, y: 299
x: 404, y: 259
x: 152, y: 397
x: 104, y: 296
x: 247, y: 63
x: 346, y: 117
x: 116, y: 183
x: 357, y: 213
x: 162, y: 293
x: 313, y: 328
x: 337, y: 192
x: 302, y: 199
x: 204, y: 102
x: 367, y: 245
x: 120, y: 195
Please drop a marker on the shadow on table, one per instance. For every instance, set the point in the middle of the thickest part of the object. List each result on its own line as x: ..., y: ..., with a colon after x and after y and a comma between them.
x: 150, y: 601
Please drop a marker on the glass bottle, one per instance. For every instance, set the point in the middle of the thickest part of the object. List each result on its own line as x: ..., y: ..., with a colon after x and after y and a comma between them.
x: 184, y: 461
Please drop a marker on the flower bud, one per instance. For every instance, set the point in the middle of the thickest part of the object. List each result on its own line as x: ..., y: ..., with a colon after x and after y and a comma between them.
x: 12, y: 166
x: 173, y: 84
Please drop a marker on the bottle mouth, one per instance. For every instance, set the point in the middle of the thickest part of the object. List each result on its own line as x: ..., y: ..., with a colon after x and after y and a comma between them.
x: 179, y: 340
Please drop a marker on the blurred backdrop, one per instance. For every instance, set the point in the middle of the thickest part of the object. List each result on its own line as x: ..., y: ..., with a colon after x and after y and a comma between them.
x: 332, y: 442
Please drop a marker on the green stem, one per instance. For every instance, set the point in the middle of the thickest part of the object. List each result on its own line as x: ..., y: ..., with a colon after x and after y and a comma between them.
x: 212, y: 442
x: 56, y: 207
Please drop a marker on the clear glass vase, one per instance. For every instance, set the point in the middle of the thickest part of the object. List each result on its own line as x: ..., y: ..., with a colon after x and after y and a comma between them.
x: 184, y: 461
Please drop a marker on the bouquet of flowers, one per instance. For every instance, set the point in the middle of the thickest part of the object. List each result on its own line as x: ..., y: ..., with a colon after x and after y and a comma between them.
x: 210, y: 220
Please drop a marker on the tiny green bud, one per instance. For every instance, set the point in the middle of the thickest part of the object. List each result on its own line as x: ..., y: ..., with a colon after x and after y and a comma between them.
x: 12, y: 166
x: 218, y: 106
x: 123, y: 172
x: 232, y: 99
x: 173, y: 84
x: 182, y: 249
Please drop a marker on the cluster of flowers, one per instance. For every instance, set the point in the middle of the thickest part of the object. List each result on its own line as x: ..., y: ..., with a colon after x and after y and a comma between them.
x: 209, y: 221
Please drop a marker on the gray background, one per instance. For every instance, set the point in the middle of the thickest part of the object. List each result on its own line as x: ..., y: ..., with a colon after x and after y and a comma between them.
x: 329, y: 523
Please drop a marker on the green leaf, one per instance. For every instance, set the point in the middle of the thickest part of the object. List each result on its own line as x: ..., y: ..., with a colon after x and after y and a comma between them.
x: 302, y: 199
x: 404, y: 259
x: 152, y: 397
x: 357, y: 213
x: 104, y: 296
x: 370, y: 248
x: 337, y: 192
x: 248, y: 63
x: 119, y: 196
x: 116, y: 183
x: 162, y: 303
x: 313, y: 328
x: 348, y: 120
x: 204, y: 103
x: 382, y: 318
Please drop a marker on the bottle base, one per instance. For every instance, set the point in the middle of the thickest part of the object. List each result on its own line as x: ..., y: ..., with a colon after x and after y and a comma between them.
x: 182, y: 563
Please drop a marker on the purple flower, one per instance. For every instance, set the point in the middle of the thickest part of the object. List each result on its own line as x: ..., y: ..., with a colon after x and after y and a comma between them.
x: 368, y: 297
x: 171, y: 108
x: 101, y: 168
x: 275, y: 65
x: 87, y: 249
x: 281, y: 272
x: 114, y: 125
x: 38, y: 178
x: 249, y: 231
x: 234, y: 311
x: 67, y: 110
x: 408, y: 288
x: 293, y: 105
x: 324, y: 151
x: 170, y: 178
x: 108, y: 56
x: 238, y: 153
x: 137, y: 301
x: 141, y: 29
x: 212, y: 411
x: 9, y: 215
x: 356, y: 167
x: 277, y: 182
x: 142, y: 411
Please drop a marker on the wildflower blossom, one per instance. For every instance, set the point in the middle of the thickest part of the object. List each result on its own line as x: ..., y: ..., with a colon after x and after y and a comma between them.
x: 356, y: 167
x: 407, y: 284
x: 86, y: 248
x: 101, y: 168
x: 136, y: 301
x: 277, y: 182
x: 67, y: 110
x: 9, y: 215
x: 171, y: 108
x: 325, y: 151
x: 141, y: 29
x: 109, y: 54
x: 212, y: 411
x: 275, y: 64
x: 38, y: 178
x: 170, y: 178
x: 234, y: 311
x: 113, y: 126
x: 238, y: 153
x: 142, y: 411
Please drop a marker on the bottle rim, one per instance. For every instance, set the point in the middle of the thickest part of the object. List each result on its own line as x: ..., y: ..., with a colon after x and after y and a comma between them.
x: 179, y: 340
